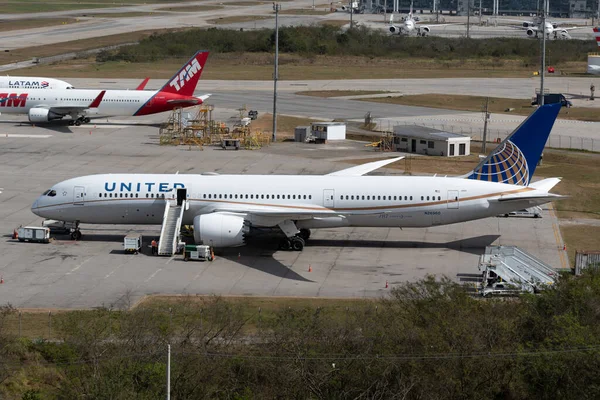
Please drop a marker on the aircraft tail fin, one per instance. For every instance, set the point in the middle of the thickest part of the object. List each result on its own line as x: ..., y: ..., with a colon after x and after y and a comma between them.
x: 142, y: 85
x: 185, y: 80
x: 516, y: 157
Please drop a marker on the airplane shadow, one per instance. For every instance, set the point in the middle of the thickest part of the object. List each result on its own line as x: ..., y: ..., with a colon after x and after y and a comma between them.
x: 474, y: 245
x: 258, y: 255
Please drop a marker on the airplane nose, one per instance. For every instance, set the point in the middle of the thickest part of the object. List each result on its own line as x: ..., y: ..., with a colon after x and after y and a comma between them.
x: 34, y: 207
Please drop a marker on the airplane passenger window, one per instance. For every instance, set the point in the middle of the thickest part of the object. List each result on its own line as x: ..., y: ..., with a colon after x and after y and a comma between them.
x: 378, y: 197
x: 368, y: 197
x: 411, y: 197
x: 262, y: 196
x: 110, y: 195
x: 347, y: 197
x: 363, y: 197
x: 136, y: 195
x: 427, y: 197
x: 147, y: 195
x: 100, y: 194
x: 267, y: 196
x: 289, y: 197
x: 304, y: 197
x: 277, y: 197
x: 310, y: 196
x: 230, y: 196
x: 220, y: 196
x: 351, y: 197
x: 384, y: 197
x: 394, y: 197
x: 246, y: 196
x: 422, y: 198
x: 105, y: 195
x: 121, y: 195
x: 405, y: 197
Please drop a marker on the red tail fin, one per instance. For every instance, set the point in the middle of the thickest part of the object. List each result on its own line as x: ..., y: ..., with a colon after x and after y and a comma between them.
x: 143, y: 84
x: 184, y: 82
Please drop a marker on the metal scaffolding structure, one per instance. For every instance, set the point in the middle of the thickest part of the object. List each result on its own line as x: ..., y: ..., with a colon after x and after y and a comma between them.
x: 196, y: 127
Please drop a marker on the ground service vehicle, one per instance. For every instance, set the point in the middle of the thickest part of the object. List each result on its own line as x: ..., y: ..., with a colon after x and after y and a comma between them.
x: 38, y: 234
x: 552, y: 98
x: 132, y: 243
x: 195, y: 252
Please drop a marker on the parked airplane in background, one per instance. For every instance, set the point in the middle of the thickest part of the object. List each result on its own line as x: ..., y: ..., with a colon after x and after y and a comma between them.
x: 225, y: 209
x: 534, y: 27
x: 53, y: 104
x: 29, y: 82
x: 595, y: 69
x: 411, y: 24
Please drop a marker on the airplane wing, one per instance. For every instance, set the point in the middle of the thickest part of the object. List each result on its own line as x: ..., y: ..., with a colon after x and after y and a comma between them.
x: 63, y: 110
x: 142, y: 85
x: 570, y: 28
x: 363, y: 169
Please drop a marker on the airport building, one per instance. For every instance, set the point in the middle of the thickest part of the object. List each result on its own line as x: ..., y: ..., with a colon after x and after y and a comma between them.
x: 429, y: 141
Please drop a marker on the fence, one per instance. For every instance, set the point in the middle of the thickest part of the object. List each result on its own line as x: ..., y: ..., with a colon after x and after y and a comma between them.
x: 555, y: 141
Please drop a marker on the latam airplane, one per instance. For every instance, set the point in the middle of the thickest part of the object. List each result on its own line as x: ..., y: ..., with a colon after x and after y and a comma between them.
x: 28, y: 82
x: 54, y: 104
x: 225, y: 209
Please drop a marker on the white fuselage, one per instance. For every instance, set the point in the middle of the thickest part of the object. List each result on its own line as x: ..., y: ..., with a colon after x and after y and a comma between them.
x: 114, y: 102
x: 368, y: 201
x: 28, y: 82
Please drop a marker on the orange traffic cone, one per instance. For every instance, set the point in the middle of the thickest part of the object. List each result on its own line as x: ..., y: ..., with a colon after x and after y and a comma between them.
x: 386, y: 284
x: 309, y: 268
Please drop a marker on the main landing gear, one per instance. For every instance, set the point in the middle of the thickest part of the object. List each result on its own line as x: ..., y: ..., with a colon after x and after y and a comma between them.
x: 295, y: 239
x: 76, y: 232
x: 79, y: 121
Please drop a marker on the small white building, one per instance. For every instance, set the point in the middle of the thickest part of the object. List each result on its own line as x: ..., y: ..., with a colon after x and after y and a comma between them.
x: 429, y: 141
x: 324, y: 131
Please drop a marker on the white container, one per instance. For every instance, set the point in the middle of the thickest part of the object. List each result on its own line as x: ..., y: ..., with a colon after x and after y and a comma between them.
x: 34, y: 234
x: 132, y: 243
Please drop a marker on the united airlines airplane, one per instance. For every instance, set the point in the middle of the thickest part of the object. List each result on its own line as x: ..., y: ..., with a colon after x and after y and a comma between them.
x: 225, y: 209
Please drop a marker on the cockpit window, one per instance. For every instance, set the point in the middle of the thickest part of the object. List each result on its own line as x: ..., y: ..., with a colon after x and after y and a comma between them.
x: 46, y: 192
x: 52, y: 193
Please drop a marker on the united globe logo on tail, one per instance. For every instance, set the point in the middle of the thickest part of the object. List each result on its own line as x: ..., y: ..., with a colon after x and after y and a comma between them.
x: 507, y: 164
x: 515, y: 159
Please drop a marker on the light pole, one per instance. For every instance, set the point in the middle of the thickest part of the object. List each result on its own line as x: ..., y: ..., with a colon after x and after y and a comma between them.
x: 276, y: 7
x: 542, y: 72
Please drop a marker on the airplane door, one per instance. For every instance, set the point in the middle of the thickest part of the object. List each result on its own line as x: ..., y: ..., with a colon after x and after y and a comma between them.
x: 453, y: 200
x: 328, y: 195
x: 78, y: 194
x: 413, y: 146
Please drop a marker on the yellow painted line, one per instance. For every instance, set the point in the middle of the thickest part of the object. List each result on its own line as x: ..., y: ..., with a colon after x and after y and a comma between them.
x: 558, y: 237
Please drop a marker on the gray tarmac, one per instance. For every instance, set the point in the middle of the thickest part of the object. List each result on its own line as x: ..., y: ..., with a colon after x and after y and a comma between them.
x: 349, y: 262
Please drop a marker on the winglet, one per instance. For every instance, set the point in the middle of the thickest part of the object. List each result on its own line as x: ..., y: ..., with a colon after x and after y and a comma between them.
x: 97, y: 100
x: 142, y: 85
x: 185, y: 80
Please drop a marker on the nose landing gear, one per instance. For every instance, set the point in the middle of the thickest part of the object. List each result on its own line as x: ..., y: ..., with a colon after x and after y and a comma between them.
x: 76, y: 232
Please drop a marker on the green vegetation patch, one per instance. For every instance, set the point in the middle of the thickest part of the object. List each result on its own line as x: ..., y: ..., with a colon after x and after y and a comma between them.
x: 332, y: 41
x: 429, y: 339
x: 188, y: 8
x: 236, y: 19
x: 304, y: 11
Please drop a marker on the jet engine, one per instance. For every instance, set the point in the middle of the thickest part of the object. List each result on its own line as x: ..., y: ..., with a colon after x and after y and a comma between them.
x: 530, y: 32
x: 42, y: 115
x: 563, y: 34
x: 394, y: 29
x: 525, y: 25
x: 220, y: 229
x: 424, y: 30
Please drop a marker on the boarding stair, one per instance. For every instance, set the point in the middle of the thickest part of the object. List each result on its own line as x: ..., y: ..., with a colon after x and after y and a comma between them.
x: 508, y: 270
x: 171, y: 226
